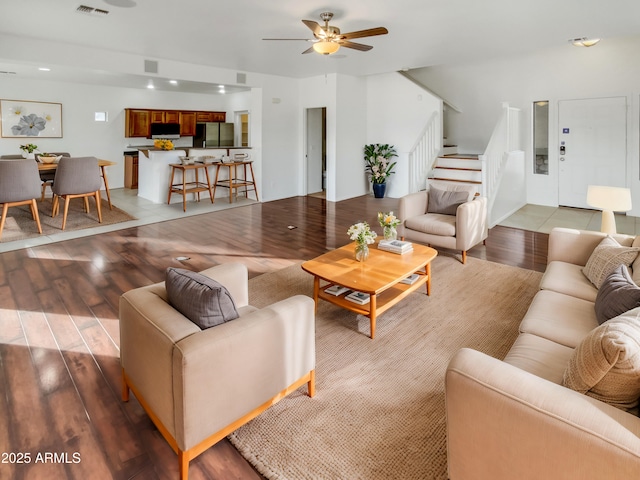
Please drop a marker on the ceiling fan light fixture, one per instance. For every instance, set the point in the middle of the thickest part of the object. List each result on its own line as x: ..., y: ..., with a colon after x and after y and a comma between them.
x: 325, y: 47
x: 584, y: 41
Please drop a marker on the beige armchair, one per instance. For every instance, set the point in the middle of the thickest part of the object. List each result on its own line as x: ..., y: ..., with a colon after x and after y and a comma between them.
x: 460, y: 229
x: 198, y: 386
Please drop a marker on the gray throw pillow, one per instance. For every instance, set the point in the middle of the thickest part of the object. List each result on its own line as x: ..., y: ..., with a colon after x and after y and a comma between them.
x: 617, y: 294
x: 445, y: 202
x: 201, y: 299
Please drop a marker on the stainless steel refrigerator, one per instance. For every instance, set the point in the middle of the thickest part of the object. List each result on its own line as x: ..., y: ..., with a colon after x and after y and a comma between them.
x: 213, y: 134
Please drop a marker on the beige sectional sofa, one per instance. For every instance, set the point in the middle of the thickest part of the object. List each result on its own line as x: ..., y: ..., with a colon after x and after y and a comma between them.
x: 513, y: 419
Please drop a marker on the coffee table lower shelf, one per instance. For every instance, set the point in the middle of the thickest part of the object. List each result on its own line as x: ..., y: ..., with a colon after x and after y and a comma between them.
x: 378, y: 303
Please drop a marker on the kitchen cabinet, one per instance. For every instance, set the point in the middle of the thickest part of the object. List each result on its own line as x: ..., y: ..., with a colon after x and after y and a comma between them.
x: 188, y: 124
x: 137, y: 123
x: 131, y: 171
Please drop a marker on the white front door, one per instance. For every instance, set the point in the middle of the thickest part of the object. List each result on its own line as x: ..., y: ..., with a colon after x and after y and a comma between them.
x: 592, y: 147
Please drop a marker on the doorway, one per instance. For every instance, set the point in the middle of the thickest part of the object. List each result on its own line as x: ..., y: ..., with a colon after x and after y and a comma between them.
x: 592, y: 147
x: 316, y: 149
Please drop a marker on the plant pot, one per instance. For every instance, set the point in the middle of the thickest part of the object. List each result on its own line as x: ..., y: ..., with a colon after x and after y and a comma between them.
x: 379, y: 189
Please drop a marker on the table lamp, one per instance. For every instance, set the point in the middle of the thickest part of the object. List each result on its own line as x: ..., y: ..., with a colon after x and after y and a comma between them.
x: 609, y: 200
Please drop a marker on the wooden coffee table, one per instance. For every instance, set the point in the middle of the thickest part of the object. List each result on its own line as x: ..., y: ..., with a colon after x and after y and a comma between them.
x: 379, y: 276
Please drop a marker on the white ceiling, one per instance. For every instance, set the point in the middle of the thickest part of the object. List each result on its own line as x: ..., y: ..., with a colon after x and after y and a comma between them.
x: 228, y: 34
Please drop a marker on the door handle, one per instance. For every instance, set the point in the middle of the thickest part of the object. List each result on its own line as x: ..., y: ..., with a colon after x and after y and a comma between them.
x: 562, y: 159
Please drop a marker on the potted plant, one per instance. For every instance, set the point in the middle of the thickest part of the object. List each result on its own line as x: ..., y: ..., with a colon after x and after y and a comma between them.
x: 28, y: 149
x: 377, y: 158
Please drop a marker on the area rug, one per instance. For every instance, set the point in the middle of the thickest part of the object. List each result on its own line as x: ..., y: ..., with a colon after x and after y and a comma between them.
x: 379, y: 408
x: 20, y: 224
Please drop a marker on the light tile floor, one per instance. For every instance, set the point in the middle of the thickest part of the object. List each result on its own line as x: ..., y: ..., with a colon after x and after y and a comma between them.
x: 145, y: 211
x: 539, y: 218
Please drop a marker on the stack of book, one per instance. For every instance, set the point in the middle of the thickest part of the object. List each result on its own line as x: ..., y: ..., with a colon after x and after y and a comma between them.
x: 395, y: 246
x: 358, y: 297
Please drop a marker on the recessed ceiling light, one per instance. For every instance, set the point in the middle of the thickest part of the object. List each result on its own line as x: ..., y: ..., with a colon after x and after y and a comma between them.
x: 150, y: 86
x: 173, y: 82
x: 121, y: 3
x: 44, y: 69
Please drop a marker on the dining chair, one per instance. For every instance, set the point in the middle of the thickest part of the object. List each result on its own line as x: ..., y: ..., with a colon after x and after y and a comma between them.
x: 19, y: 185
x: 47, y: 176
x: 76, y: 177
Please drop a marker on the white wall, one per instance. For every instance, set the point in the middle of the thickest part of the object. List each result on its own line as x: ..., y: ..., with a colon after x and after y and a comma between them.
x: 612, y: 68
x: 397, y: 112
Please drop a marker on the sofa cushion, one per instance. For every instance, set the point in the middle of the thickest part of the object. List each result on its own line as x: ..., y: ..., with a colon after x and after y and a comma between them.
x: 568, y: 278
x: 606, y: 257
x: 201, y: 299
x: 606, y: 364
x: 560, y: 318
x: 539, y: 356
x: 635, y: 266
x: 470, y: 189
x: 433, y: 223
x: 617, y: 294
x: 445, y: 202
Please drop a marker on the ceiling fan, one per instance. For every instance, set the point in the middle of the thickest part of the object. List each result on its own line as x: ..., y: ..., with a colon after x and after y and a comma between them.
x: 328, y: 39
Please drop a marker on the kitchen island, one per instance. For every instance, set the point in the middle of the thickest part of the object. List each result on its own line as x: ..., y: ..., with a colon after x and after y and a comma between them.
x: 154, y: 171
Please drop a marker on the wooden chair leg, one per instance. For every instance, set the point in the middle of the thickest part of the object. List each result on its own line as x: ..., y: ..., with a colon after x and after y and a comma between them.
x: 183, y: 464
x: 36, y: 215
x: 125, y: 388
x: 5, y: 209
x: 86, y: 204
x: 464, y: 257
x: 66, y: 211
x: 311, y: 385
x: 44, y: 187
x: 98, y: 206
x: 55, y: 204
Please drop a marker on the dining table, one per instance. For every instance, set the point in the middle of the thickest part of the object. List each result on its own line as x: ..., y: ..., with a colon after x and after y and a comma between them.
x: 103, y: 164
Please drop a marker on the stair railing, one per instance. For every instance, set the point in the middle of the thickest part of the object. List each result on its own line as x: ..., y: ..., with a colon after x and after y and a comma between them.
x: 424, y: 153
x: 506, y: 138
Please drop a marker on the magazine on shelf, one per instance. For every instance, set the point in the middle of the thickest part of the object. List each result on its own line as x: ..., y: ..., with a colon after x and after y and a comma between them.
x: 336, y: 290
x: 411, y: 279
x: 358, y: 297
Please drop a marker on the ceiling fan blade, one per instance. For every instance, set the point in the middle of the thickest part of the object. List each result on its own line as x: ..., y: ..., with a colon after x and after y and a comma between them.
x: 297, y: 39
x: 315, y: 28
x: 355, y: 46
x: 308, y: 50
x: 370, y: 32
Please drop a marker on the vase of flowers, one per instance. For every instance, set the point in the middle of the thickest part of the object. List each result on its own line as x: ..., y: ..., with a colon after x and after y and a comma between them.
x: 163, y: 144
x: 28, y: 150
x: 362, y: 234
x: 378, y: 165
x: 389, y: 223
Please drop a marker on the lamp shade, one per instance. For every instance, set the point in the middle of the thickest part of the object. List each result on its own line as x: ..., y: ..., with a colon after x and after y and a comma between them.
x: 326, y: 47
x: 615, y: 199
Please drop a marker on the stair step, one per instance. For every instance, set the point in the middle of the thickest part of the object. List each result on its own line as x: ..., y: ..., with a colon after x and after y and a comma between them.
x: 462, y: 156
x: 467, y: 169
x: 474, y: 182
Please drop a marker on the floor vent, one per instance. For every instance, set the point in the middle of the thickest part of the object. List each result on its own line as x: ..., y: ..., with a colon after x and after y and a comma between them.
x: 95, y: 12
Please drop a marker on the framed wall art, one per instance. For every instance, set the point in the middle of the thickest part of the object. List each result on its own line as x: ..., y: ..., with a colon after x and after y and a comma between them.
x: 26, y: 119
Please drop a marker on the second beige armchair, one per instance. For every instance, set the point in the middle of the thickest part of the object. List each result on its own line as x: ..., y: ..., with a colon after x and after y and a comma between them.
x: 446, y: 216
x: 198, y: 386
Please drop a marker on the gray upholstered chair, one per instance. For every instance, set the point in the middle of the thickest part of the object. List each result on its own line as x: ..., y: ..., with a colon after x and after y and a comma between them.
x: 449, y: 216
x: 198, y: 386
x: 76, y: 177
x: 47, y: 176
x: 19, y: 185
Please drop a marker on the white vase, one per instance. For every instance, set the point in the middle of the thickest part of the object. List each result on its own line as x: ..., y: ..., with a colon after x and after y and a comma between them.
x: 29, y: 156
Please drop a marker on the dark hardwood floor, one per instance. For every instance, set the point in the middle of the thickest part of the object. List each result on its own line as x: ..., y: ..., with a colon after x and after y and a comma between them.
x: 59, y: 361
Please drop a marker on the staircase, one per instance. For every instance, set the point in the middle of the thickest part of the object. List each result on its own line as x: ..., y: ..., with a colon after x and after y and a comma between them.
x: 458, y: 168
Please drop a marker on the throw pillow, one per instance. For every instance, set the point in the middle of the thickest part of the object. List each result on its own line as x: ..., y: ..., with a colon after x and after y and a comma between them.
x: 606, y: 364
x: 606, y: 257
x: 201, y: 299
x: 445, y: 202
x: 617, y: 294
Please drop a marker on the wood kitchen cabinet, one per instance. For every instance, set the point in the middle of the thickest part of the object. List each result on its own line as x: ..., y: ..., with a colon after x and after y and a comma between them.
x: 137, y: 123
x: 188, y: 124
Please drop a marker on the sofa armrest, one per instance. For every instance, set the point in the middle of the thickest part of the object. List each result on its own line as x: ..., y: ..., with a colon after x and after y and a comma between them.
x: 224, y: 372
x: 505, y: 423
x: 471, y: 223
x: 235, y: 278
x: 410, y: 206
